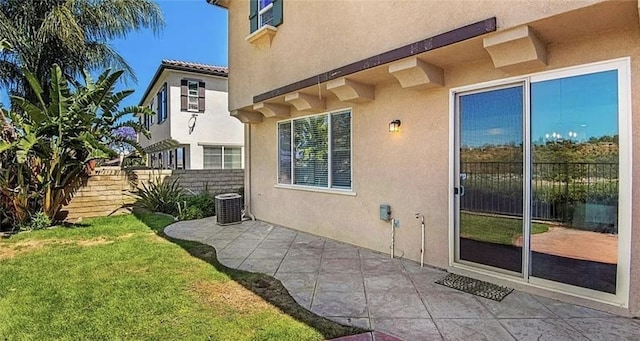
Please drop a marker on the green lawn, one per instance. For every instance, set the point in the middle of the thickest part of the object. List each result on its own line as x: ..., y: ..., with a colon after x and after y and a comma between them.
x: 493, y: 229
x: 121, y: 278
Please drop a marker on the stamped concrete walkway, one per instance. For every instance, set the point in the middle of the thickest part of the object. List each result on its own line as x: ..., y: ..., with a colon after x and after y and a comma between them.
x: 360, y: 287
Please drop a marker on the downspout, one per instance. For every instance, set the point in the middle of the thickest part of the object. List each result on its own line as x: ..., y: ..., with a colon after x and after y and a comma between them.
x: 247, y: 172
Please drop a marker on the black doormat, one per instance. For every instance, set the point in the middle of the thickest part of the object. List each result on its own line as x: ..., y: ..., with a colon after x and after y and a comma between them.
x: 475, y: 287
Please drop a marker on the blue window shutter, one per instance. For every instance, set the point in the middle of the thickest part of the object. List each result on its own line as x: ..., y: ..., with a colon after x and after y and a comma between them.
x: 253, y: 15
x: 277, y: 12
x: 164, y: 101
x: 159, y: 101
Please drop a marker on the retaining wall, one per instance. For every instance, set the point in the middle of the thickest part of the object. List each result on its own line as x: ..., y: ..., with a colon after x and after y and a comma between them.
x: 110, y: 190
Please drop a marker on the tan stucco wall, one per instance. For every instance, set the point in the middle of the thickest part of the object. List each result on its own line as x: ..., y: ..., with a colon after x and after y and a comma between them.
x: 410, y: 170
x: 316, y: 37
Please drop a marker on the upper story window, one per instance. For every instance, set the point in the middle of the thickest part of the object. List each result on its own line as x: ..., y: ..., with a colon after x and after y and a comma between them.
x: 162, y: 104
x: 192, y: 95
x: 315, y: 151
x: 265, y: 12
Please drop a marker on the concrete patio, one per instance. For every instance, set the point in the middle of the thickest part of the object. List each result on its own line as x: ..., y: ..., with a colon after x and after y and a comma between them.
x: 360, y: 287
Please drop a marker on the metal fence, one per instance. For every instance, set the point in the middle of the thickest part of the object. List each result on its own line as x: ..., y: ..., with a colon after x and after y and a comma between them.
x: 497, y: 187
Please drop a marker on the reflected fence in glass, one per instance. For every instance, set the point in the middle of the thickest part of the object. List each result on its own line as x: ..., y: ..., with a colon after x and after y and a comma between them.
x: 560, y: 190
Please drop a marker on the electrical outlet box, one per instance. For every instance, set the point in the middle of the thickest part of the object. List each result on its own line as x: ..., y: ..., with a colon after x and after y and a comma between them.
x: 385, y: 212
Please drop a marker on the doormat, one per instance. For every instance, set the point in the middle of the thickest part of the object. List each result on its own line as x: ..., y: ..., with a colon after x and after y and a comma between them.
x: 475, y: 287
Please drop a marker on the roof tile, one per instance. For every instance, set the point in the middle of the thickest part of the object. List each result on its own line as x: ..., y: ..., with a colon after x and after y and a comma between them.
x: 197, y: 67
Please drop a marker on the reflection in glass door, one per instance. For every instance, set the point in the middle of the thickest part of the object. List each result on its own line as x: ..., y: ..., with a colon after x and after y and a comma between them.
x: 490, y: 178
x: 538, y: 179
x: 574, y: 131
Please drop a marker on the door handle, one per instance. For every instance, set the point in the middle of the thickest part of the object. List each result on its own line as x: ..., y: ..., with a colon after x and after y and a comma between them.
x: 459, y: 191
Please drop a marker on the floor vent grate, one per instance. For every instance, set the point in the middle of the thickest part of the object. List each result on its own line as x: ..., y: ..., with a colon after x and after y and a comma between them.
x: 475, y: 287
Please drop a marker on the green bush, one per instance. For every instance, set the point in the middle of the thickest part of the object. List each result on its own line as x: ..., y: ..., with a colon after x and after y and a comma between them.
x: 197, y: 206
x: 161, y: 196
x: 38, y: 221
x: 191, y: 212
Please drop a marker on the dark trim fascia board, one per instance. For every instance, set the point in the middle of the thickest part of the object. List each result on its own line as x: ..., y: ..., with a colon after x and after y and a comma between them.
x: 451, y: 37
x: 164, y: 66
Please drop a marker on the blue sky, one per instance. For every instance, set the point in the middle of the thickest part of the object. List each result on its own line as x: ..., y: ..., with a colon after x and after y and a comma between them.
x: 195, y: 31
x: 575, y: 108
x: 585, y: 105
x: 492, y: 117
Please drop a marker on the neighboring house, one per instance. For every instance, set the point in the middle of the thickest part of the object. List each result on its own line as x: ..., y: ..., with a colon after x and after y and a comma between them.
x: 192, y: 128
x: 507, y: 125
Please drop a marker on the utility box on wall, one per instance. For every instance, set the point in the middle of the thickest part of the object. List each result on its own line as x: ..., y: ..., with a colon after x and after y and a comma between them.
x: 385, y: 212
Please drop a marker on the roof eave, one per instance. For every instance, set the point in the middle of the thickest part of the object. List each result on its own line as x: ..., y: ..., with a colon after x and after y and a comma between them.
x: 164, y: 66
x: 219, y: 3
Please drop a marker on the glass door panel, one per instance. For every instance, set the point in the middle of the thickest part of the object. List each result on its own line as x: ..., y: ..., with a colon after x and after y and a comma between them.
x: 490, y: 177
x: 574, y: 132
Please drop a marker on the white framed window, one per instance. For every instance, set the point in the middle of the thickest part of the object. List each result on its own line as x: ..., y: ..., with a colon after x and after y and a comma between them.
x: 222, y: 157
x: 315, y: 151
x: 265, y: 12
x: 192, y: 96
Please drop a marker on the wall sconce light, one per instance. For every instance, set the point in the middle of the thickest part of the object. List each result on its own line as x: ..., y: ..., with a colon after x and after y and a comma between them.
x: 394, y: 126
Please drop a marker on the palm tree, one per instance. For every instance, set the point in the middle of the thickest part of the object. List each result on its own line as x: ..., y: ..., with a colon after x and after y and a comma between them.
x: 73, y: 34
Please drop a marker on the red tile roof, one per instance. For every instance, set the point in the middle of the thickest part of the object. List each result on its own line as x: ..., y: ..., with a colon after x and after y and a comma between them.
x: 196, y: 67
x: 167, y: 64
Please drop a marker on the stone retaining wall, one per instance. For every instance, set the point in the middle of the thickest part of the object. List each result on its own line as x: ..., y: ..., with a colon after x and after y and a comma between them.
x: 110, y: 190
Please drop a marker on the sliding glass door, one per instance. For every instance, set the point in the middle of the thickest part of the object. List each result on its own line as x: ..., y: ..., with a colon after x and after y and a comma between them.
x: 490, y: 177
x: 575, y: 162
x: 538, y: 178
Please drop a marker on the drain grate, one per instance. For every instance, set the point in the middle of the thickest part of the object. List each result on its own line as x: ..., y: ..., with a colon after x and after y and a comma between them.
x: 475, y: 287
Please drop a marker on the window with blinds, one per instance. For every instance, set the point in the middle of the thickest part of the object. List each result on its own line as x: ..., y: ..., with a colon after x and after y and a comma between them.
x: 232, y: 157
x: 341, y: 150
x: 284, y: 152
x: 212, y: 157
x: 221, y: 157
x: 316, y: 151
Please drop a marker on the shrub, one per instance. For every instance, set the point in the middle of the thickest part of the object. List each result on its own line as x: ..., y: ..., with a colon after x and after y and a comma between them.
x: 38, y: 221
x: 161, y: 196
x: 198, y: 206
x: 191, y: 212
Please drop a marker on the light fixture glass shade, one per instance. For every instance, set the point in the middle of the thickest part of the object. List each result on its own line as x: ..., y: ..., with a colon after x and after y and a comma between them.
x: 394, y: 126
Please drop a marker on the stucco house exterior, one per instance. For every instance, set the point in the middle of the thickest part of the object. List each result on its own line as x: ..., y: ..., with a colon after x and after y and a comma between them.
x: 192, y: 128
x: 509, y: 126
